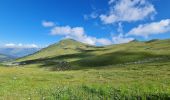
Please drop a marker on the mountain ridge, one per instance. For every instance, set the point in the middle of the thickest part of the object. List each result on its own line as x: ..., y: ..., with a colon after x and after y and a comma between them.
x: 82, y: 55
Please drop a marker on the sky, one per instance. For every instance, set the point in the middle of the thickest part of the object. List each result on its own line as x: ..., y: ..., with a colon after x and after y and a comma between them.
x: 39, y: 23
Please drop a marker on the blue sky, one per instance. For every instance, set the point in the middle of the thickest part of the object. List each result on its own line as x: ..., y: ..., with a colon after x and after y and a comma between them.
x: 96, y: 22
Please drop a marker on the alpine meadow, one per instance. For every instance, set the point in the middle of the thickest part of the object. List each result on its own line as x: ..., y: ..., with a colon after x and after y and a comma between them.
x: 84, y: 50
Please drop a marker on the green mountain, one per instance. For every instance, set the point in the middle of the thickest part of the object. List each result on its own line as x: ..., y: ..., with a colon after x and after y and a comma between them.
x: 82, y: 55
x: 64, y: 47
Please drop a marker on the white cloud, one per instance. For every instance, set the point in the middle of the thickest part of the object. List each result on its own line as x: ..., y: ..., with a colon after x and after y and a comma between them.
x: 48, y: 24
x: 93, y: 15
x: 120, y: 28
x: 128, y: 11
x: 9, y: 45
x: 13, y: 45
x: 145, y: 30
x: 104, y: 41
x: 111, y: 1
x: 121, y: 39
x: 78, y: 33
x: 61, y: 30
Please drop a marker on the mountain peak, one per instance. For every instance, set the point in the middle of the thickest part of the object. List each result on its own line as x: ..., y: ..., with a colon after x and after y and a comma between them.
x: 67, y: 41
x: 70, y: 42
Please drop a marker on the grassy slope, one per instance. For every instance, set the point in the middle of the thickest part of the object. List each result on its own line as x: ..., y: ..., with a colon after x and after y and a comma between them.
x: 115, y: 80
x: 64, y: 47
x: 150, y: 80
x: 82, y: 55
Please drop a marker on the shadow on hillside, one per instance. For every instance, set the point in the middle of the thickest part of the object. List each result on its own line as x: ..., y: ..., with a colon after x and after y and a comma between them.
x: 66, y: 57
x: 118, y: 58
x: 58, y: 62
x: 92, y: 50
x: 87, y: 60
x: 61, y: 57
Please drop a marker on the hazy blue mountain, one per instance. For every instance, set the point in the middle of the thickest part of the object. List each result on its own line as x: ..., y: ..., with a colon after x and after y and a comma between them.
x: 18, y: 52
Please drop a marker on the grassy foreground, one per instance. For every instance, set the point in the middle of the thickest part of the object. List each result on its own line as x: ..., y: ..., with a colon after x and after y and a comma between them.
x: 132, y: 71
x: 149, y: 81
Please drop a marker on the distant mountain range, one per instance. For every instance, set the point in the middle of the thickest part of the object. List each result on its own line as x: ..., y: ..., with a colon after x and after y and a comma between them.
x: 5, y: 58
x: 17, y: 52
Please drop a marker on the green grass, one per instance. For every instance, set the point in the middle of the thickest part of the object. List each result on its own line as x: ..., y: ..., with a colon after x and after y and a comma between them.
x: 149, y: 80
x: 132, y: 71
